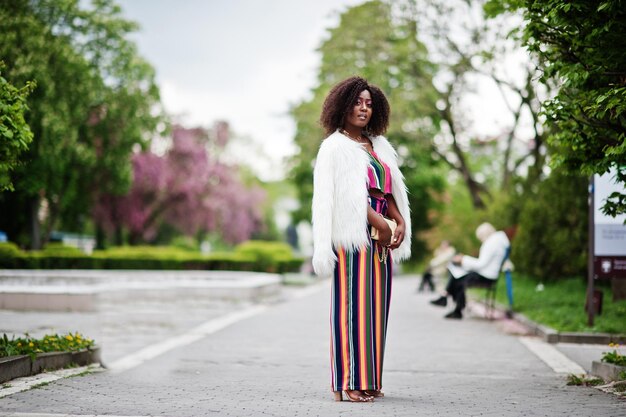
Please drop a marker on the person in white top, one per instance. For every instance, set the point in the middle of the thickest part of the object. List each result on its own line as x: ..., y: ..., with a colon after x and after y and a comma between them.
x: 466, y: 270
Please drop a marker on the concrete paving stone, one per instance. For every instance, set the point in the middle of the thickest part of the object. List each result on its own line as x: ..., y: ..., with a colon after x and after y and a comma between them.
x: 585, y: 354
x: 87, y: 290
x: 120, y: 327
x: 277, y: 364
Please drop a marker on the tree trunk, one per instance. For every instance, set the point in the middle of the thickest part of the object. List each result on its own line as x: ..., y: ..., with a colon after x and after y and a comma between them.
x: 119, y: 236
x: 462, y: 167
x: 100, y: 237
x: 35, y: 228
x: 53, y: 216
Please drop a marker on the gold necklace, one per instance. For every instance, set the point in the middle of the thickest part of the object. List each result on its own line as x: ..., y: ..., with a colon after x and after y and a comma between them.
x: 360, y: 139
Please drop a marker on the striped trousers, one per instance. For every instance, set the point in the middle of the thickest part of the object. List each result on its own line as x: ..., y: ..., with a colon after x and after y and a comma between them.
x: 361, y: 292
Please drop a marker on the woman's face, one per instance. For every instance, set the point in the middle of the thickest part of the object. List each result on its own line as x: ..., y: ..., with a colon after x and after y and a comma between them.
x: 361, y: 112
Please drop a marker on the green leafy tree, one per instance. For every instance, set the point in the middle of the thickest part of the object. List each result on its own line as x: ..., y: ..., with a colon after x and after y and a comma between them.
x: 15, y: 135
x: 473, y: 52
x: 95, y: 100
x: 581, y: 45
x: 370, y: 43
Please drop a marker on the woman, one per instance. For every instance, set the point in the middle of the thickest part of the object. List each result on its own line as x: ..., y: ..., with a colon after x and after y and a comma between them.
x: 356, y: 183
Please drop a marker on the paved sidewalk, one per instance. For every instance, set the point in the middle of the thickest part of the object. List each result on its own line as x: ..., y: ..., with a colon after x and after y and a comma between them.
x: 120, y: 327
x: 276, y: 364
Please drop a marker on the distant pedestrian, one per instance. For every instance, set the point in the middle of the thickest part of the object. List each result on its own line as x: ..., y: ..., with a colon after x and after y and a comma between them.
x: 438, y: 266
x: 427, y: 281
x: 356, y: 183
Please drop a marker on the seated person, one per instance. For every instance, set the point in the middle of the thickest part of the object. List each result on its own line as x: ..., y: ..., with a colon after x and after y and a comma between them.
x: 437, y: 267
x: 466, y: 270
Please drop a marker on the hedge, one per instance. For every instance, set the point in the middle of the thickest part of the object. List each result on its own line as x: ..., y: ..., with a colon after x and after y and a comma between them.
x: 257, y: 256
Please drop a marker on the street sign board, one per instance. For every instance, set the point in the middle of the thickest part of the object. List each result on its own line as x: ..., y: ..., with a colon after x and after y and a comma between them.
x: 609, y: 232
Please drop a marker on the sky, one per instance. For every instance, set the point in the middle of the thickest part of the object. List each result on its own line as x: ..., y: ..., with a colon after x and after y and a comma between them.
x: 243, y: 61
x: 248, y: 61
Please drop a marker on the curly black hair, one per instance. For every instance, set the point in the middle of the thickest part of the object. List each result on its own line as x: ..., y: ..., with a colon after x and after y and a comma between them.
x: 341, y: 99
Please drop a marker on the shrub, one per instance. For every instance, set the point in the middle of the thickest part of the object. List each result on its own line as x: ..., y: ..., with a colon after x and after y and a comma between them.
x: 9, y: 250
x: 614, y: 356
x: 59, y: 249
x: 551, y: 242
x: 49, y: 343
x: 270, y: 256
x: 146, y: 252
x: 266, y: 249
x: 9, y: 253
x: 185, y: 243
x: 253, y: 256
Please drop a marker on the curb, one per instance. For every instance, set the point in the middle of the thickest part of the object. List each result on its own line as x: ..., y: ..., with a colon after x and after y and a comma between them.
x: 84, y: 290
x: 607, y: 371
x: 552, y: 336
x: 20, y: 366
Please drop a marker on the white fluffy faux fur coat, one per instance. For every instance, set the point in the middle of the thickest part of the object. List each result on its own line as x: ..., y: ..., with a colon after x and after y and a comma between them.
x: 340, y: 195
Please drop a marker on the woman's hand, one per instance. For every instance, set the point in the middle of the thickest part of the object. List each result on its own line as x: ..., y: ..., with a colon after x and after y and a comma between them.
x: 384, y: 233
x: 398, y: 237
x: 377, y: 222
x: 394, y: 213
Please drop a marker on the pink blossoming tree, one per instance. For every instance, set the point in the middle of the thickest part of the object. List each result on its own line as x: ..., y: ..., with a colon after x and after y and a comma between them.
x: 187, y: 189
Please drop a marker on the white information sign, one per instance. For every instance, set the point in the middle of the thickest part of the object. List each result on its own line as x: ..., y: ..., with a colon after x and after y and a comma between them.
x: 609, y: 232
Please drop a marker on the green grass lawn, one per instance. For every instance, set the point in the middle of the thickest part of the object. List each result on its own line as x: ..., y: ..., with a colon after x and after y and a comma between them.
x: 561, y: 305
